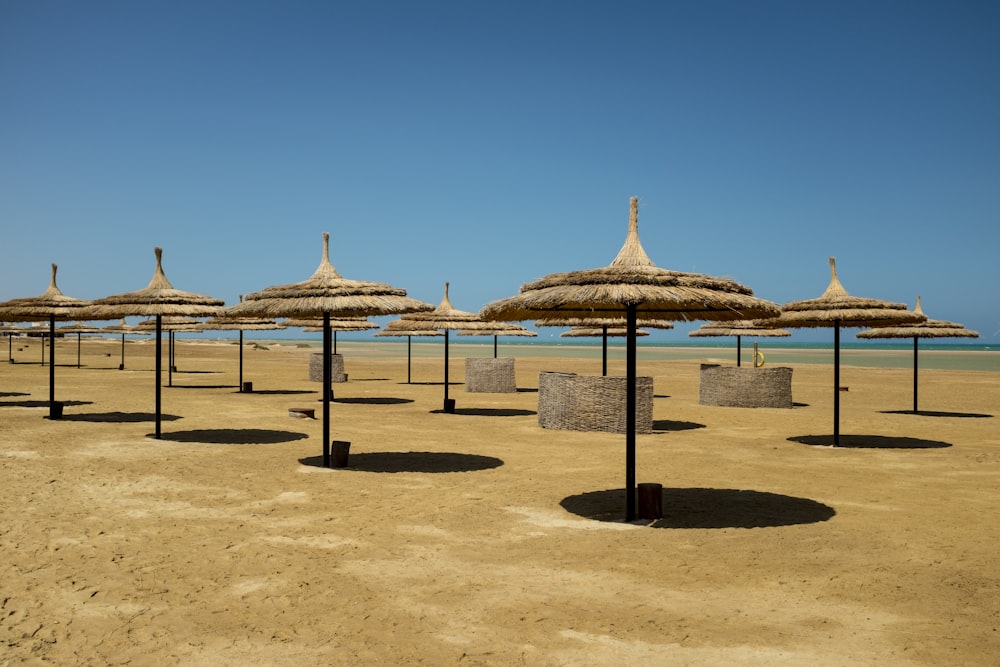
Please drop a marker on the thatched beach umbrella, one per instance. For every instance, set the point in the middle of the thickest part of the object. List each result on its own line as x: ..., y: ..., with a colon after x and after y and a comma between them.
x: 158, y: 299
x: 499, y: 329
x: 50, y: 305
x: 122, y: 328
x: 172, y: 324
x: 836, y: 308
x: 604, y: 324
x: 446, y: 318
x: 926, y: 329
x: 399, y: 328
x: 631, y: 287
x: 336, y: 324
x: 327, y: 294
x: 241, y: 324
x: 78, y: 328
x: 738, y: 329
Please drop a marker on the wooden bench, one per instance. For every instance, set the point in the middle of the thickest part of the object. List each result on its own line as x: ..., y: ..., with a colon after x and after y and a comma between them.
x: 302, y: 413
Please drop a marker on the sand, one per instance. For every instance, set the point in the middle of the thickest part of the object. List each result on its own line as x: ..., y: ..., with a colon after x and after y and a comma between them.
x: 470, y: 538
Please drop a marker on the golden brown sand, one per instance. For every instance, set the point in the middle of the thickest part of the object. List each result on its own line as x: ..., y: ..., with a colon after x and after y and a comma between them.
x: 468, y: 538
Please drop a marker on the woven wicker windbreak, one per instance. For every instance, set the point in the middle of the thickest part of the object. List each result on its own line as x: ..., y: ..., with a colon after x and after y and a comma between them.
x: 736, y: 387
x: 490, y: 376
x: 337, y: 373
x: 592, y: 402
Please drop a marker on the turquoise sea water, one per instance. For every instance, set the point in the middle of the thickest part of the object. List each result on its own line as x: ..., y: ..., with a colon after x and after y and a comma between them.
x: 943, y: 356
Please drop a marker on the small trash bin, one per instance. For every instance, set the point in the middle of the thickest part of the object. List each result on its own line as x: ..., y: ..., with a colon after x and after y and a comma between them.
x: 650, y: 501
x: 341, y: 450
x: 55, y: 410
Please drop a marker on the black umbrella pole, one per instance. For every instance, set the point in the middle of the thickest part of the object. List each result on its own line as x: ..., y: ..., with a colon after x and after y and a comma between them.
x: 409, y: 342
x: 739, y: 353
x: 121, y: 366
x: 52, y: 365
x: 914, y: 373
x: 159, y: 368
x: 630, y: 327
x: 836, y: 383
x: 604, y: 353
x: 240, y: 385
x: 78, y: 335
x: 327, y: 374
x: 447, y: 406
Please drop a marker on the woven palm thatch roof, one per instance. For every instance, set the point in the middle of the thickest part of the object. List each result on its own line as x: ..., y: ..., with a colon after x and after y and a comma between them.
x: 170, y: 323
x: 402, y: 328
x: 600, y: 322
x: 739, y: 328
x: 50, y: 303
x: 248, y: 323
x: 926, y: 329
x: 447, y: 317
x: 499, y: 329
x: 326, y: 291
x: 835, y: 307
x: 631, y: 280
x: 598, y: 332
x: 78, y: 328
x: 336, y: 324
x: 123, y: 327
x: 157, y: 298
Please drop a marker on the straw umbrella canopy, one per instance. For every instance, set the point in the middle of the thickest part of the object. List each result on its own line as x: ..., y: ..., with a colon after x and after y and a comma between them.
x: 50, y: 305
x: 158, y: 299
x: 122, y: 328
x: 836, y: 308
x: 926, y: 329
x: 241, y: 324
x: 631, y: 287
x: 78, y: 328
x: 499, y: 329
x: 399, y: 328
x: 9, y: 330
x: 738, y: 329
x: 604, y: 324
x: 446, y: 317
x: 327, y: 294
x: 336, y: 324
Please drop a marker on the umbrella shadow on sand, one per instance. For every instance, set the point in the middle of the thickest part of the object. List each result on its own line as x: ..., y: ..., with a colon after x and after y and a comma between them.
x: 38, y: 404
x: 673, y: 425
x: 117, y: 417
x: 277, y: 392
x: 234, y: 436
x: 13, y: 393
x: 431, y: 462
x: 374, y: 400
x: 935, y: 413
x: 488, y: 412
x: 707, y: 508
x: 869, y: 442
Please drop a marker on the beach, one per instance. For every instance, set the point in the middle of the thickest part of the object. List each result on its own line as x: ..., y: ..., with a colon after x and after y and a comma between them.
x: 479, y: 538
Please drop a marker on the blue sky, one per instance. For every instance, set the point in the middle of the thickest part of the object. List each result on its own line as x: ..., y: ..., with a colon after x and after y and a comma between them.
x: 491, y: 143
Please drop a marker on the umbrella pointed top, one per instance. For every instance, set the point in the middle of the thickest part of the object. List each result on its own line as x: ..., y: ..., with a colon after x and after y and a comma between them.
x: 326, y: 270
x: 446, y: 316
x: 834, y: 289
x: 159, y: 280
x: 632, y: 252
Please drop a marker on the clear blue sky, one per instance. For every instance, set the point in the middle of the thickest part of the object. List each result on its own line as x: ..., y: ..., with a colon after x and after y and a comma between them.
x: 491, y: 143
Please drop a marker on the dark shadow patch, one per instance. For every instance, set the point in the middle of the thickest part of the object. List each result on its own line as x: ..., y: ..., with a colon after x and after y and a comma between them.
x: 799, y: 405
x: 115, y: 417
x: 369, y: 379
x: 376, y: 400
x: 14, y: 393
x: 39, y: 404
x: 661, y: 395
x: 430, y: 462
x: 234, y: 436
x: 707, y: 508
x: 934, y: 413
x: 527, y: 390
x: 176, y: 372
x: 870, y: 442
x: 276, y: 392
x: 200, y: 386
x: 490, y: 412
x: 671, y: 425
